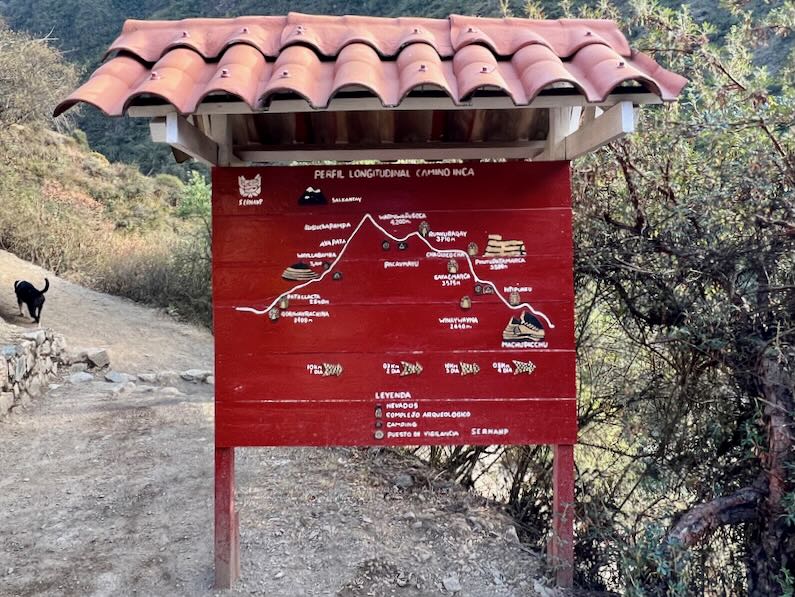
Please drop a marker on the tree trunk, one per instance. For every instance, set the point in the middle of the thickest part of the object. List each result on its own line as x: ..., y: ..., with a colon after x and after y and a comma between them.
x: 775, y: 549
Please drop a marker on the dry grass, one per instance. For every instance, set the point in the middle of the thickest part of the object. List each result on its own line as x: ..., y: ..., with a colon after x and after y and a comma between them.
x: 102, y: 225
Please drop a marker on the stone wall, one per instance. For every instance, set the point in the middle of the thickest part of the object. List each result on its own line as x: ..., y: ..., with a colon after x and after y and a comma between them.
x: 27, y: 364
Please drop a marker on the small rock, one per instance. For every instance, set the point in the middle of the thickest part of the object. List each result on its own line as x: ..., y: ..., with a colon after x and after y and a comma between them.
x: 510, y: 535
x: 278, y: 575
x: 404, y: 481
x: 122, y: 388
x: 170, y: 391
x: 80, y: 377
x: 149, y: 378
x: 9, y: 352
x: 35, y: 389
x: 38, y: 336
x: 116, y: 377
x: 452, y: 583
x: 210, y: 379
x: 544, y: 591
x: 194, y: 375
x: 167, y: 377
x: 6, y: 402
x: 70, y: 357
x: 98, y: 357
x: 21, y: 368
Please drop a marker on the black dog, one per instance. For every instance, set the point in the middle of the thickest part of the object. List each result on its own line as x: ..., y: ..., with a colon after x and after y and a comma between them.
x: 34, y: 299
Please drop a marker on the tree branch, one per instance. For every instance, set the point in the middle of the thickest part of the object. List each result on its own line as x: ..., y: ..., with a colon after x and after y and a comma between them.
x: 704, y: 519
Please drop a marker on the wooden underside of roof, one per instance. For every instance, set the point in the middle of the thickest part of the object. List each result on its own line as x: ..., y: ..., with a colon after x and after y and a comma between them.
x: 228, y: 133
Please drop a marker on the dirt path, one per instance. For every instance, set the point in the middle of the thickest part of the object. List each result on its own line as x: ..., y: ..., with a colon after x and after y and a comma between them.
x: 110, y: 493
x: 138, y: 338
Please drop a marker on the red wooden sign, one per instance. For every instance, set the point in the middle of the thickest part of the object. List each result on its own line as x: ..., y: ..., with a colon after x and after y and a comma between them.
x: 394, y: 305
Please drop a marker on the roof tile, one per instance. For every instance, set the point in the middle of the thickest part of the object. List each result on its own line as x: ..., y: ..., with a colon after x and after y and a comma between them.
x: 315, y: 57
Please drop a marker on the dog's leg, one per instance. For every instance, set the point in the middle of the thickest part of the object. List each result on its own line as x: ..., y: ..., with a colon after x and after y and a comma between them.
x: 21, y: 314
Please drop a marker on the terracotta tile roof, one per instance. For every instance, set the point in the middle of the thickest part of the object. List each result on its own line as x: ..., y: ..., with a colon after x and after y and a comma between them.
x: 315, y: 57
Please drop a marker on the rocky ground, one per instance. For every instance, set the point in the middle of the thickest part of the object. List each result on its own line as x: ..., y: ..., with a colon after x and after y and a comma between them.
x: 106, y: 485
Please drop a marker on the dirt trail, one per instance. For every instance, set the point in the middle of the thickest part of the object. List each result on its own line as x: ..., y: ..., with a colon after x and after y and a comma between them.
x: 110, y: 493
x: 138, y: 338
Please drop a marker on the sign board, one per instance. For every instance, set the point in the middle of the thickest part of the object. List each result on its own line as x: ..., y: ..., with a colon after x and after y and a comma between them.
x: 394, y: 305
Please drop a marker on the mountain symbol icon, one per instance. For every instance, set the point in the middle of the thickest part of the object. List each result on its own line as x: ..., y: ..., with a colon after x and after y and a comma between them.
x: 312, y: 196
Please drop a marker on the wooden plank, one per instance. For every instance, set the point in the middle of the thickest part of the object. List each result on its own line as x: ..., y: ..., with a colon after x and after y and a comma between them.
x: 487, y: 186
x: 306, y: 328
x: 176, y: 131
x: 526, y: 150
x: 227, y: 524
x: 410, y: 103
x: 363, y: 128
x: 250, y: 237
x: 566, y: 142
x: 507, y: 125
x: 279, y: 129
x: 221, y: 133
x: 561, y: 124
x: 413, y: 127
x: 457, y: 124
x: 271, y: 377
x: 611, y: 125
x: 255, y: 282
x: 157, y: 129
x: 356, y: 423
x: 561, y: 545
x: 322, y: 128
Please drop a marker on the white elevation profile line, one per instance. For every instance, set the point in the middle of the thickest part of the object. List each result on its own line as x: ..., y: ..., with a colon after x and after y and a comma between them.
x: 446, y: 252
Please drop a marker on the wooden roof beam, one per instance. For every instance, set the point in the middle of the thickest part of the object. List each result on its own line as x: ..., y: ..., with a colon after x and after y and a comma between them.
x: 568, y: 139
x: 179, y: 133
x: 347, y: 104
x: 391, y: 152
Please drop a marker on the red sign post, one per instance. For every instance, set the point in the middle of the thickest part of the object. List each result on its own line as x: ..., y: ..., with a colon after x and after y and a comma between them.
x: 393, y: 305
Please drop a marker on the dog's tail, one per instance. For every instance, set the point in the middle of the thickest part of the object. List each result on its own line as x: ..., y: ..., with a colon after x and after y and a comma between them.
x: 15, y: 284
x: 46, y: 286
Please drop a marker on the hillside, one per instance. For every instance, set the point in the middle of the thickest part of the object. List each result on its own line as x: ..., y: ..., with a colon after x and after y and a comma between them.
x: 102, y: 224
x: 84, y: 29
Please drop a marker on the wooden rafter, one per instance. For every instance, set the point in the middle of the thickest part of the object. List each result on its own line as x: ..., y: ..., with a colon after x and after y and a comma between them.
x: 568, y: 139
x: 176, y: 131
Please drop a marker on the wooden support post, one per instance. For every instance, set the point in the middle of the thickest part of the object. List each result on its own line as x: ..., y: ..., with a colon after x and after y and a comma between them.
x: 177, y: 131
x: 227, y: 525
x: 561, y: 545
